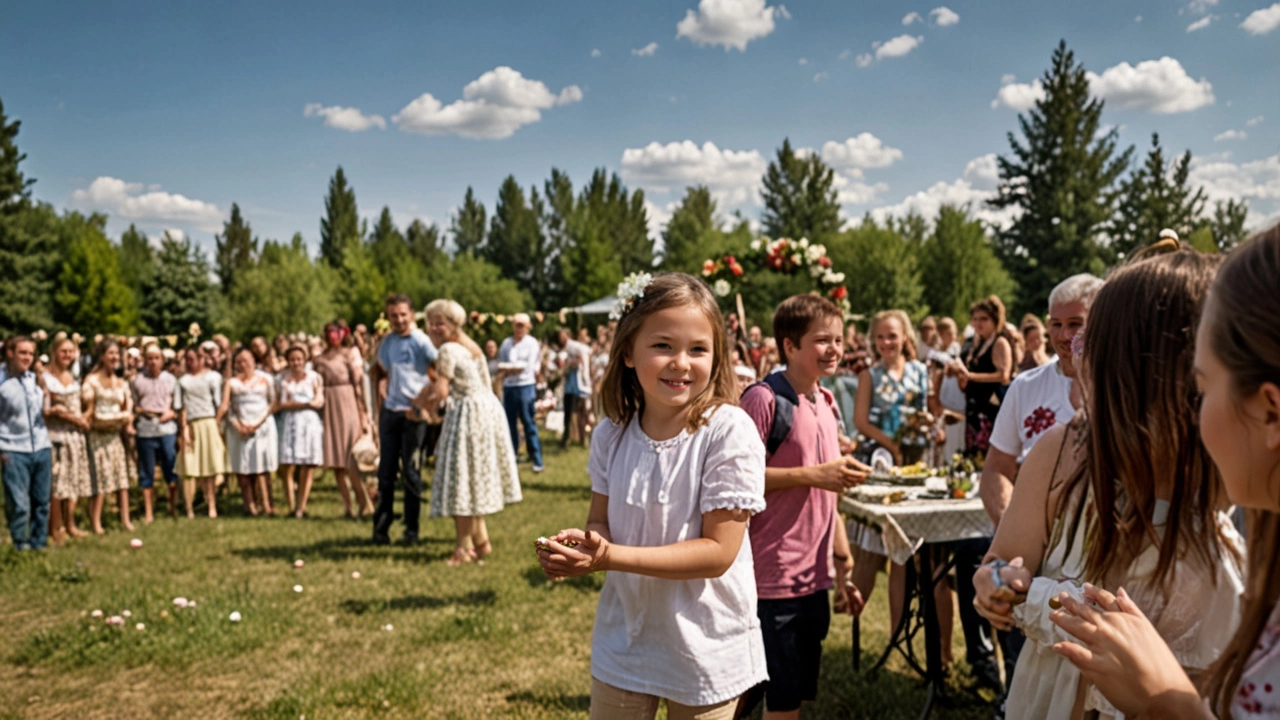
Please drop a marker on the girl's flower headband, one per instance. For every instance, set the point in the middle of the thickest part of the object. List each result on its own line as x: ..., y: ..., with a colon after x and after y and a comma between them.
x: 630, y: 290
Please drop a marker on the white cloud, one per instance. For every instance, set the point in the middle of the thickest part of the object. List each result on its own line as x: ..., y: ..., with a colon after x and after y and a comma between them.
x: 1138, y: 19
x: 983, y: 173
x: 493, y: 106
x: 733, y: 175
x: 175, y: 234
x: 1263, y: 21
x: 852, y: 191
x: 899, y: 46
x: 1257, y: 181
x: 1159, y: 86
x: 1230, y: 135
x: 864, y: 59
x: 1007, y: 78
x: 1018, y: 96
x: 1200, y: 7
x: 912, y: 17
x: 944, y: 16
x: 819, y: 77
x: 1254, y: 121
x: 345, y: 118
x: 659, y: 216
x: 132, y: 201
x: 844, y: 54
x: 729, y: 23
x: 646, y: 51
x: 595, y: 52
x: 959, y: 193
x: 804, y: 61
x: 864, y: 151
x: 1201, y: 24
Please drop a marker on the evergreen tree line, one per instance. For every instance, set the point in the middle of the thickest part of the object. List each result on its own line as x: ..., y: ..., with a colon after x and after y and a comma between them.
x: 1083, y: 205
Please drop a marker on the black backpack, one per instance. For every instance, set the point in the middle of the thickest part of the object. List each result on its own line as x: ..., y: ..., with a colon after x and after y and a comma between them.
x: 785, y: 402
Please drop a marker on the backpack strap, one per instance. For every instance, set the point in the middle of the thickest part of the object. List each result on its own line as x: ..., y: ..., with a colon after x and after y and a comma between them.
x: 785, y: 402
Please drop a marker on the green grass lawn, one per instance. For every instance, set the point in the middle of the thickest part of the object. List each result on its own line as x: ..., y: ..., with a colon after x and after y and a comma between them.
x: 411, y: 637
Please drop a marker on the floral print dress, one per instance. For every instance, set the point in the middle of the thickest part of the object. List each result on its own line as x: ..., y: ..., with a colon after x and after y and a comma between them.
x: 475, y: 462
x: 1258, y: 696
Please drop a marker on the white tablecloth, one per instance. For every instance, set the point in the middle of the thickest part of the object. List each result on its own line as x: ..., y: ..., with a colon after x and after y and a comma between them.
x: 898, y: 530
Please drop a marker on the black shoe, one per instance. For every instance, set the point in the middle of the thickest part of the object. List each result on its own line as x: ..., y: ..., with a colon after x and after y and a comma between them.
x: 381, y: 540
x: 409, y: 540
x: 987, y: 675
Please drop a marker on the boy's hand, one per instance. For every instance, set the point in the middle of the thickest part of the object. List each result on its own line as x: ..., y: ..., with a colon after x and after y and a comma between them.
x: 839, y: 474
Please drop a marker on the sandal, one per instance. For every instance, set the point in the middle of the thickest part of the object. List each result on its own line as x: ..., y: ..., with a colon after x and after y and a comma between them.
x: 461, y: 556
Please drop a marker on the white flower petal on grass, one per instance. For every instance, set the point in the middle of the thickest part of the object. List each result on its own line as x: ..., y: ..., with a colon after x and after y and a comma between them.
x: 126, y: 613
x: 234, y: 616
x: 297, y: 588
x: 388, y: 627
x: 355, y: 575
x: 95, y: 614
x: 140, y: 626
x: 181, y: 602
x: 135, y: 543
x: 298, y: 564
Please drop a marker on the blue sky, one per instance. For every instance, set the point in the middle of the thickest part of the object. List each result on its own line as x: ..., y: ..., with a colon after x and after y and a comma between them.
x: 163, y: 114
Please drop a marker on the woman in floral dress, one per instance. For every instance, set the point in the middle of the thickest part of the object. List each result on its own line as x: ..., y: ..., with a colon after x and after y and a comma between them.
x: 475, y: 471
x: 109, y: 406
x: 72, y: 473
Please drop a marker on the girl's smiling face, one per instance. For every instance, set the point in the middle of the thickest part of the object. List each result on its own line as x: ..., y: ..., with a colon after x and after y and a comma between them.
x: 673, y: 356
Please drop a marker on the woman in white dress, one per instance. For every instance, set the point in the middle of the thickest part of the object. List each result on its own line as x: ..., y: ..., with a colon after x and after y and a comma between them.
x: 109, y: 406
x: 475, y: 471
x: 301, y: 427
x: 248, y: 402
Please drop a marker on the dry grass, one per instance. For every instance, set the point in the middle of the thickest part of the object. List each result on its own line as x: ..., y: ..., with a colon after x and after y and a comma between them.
x: 477, y: 641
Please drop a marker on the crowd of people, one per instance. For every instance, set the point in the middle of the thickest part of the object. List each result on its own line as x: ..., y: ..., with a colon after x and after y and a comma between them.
x: 1124, y: 440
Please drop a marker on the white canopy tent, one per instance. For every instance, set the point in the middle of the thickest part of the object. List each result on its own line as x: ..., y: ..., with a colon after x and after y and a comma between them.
x: 603, y: 306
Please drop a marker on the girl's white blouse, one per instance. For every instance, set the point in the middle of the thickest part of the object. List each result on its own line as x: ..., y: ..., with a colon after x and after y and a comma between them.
x: 696, y: 642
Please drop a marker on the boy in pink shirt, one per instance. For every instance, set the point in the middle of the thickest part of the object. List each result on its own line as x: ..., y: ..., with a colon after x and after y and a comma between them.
x: 796, y: 537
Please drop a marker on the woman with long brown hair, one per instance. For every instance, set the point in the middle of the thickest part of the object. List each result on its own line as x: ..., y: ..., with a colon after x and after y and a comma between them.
x: 1237, y: 364
x: 984, y: 372
x: 108, y: 405
x: 1124, y: 495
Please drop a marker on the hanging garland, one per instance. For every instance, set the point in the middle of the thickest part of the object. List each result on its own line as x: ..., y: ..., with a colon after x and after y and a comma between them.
x: 784, y: 256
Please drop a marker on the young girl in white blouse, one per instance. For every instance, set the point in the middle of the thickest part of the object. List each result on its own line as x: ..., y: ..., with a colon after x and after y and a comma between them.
x: 676, y: 471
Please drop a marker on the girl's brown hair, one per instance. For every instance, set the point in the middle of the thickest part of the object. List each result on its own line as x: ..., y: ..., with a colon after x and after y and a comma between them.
x: 621, y: 397
x: 1245, y: 315
x: 993, y: 307
x: 1142, y: 400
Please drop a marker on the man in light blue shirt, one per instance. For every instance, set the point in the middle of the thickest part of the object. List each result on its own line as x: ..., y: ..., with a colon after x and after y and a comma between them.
x: 405, y: 355
x: 519, y: 359
x: 25, y: 451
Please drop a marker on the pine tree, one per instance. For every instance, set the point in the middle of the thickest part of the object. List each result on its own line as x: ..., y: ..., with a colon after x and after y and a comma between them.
x: 623, y: 217
x: 800, y: 200
x: 424, y: 242
x: 178, y: 292
x: 237, y: 248
x: 692, y: 233
x: 137, y: 258
x: 469, y: 226
x: 1154, y: 197
x: 386, y: 244
x: 1061, y: 177
x: 362, y: 288
x: 340, y: 226
x: 1227, y: 223
x: 91, y: 295
x: 958, y: 265
x: 284, y: 292
x: 28, y: 242
x: 589, y: 265
x: 517, y: 243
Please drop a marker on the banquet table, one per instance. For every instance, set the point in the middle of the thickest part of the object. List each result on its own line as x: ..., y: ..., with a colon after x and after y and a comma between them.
x: 901, y: 527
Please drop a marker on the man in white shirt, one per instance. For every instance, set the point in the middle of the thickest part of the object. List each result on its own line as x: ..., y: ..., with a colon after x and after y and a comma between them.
x: 519, y: 359
x: 1038, y: 399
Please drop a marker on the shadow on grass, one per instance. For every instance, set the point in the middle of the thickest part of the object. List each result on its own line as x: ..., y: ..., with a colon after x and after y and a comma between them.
x: 560, y: 701
x: 582, y: 492
x: 419, y: 602
x: 587, y: 583
x: 345, y: 549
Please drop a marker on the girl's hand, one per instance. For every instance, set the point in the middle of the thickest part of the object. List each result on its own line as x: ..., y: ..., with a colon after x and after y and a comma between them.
x: 995, y: 603
x: 1121, y: 653
x: 560, y: 562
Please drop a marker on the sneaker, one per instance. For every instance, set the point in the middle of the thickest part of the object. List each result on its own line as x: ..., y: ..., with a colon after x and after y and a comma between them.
x: 539, y: 468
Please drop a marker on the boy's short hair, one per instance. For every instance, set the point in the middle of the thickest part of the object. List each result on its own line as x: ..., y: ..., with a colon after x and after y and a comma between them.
x: 398, y: 299
x: 794, y: 316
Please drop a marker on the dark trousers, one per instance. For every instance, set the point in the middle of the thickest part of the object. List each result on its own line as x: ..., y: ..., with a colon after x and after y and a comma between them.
x: 518, y: 402
x: 28, y: 479
x: 401, y: 438
x: 573, y: 406
x: 150, y: 449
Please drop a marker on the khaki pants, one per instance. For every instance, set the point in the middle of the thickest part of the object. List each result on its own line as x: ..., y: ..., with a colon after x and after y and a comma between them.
x: 611, y: 703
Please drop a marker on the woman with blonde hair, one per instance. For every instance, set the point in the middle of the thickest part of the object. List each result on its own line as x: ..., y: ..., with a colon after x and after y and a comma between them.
x: 475, y: 472
x: 108, y: 405
x: 67, y: 425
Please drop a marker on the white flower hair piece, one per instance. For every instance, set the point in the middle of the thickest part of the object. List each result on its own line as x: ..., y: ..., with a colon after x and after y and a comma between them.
x: 630, y: 290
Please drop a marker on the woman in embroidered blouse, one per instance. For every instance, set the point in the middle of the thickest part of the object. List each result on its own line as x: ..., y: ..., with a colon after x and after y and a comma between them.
x: 108, y: 405
x: 67, y: 424
x: 1237, y: 364
x: 1126, y: 495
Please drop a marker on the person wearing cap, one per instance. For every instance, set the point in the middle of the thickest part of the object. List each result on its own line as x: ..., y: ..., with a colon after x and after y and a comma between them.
x: 519, y: 359
x: 405, y: 355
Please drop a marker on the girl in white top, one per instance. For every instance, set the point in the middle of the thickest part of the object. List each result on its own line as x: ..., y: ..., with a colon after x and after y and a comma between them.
x: 676, y: 471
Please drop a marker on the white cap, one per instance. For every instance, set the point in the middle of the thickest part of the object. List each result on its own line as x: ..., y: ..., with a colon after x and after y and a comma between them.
x: 1168, y: 233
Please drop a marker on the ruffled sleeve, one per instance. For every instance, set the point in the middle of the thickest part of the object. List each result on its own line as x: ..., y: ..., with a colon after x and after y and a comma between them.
x: 733, y: 468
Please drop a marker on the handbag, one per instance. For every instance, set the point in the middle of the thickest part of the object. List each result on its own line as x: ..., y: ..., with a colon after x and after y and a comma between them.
x: 365, y: 453
x: 950, y: 395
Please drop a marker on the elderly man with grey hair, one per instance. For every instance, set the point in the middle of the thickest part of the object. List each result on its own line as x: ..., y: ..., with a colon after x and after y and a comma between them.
x: 519, y: 359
